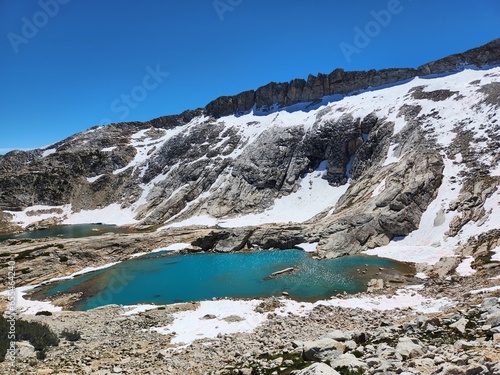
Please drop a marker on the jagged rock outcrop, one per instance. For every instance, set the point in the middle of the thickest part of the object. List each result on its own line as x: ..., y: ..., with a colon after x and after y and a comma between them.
x: 302, y: 91
x: 409, y: 188
x: 485, y: 55
x: 342, y: 82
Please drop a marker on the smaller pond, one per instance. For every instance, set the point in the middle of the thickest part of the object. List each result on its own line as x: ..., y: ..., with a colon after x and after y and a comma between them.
x: 68, y: 231
x: 167, y: 278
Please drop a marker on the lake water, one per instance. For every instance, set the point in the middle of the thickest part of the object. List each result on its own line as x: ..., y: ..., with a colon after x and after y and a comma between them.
x: 67, y: 231
x: 176, y: 278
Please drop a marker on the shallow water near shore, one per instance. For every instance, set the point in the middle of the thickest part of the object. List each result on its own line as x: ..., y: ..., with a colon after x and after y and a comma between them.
x: 166, y: 279
x: 67, y: 231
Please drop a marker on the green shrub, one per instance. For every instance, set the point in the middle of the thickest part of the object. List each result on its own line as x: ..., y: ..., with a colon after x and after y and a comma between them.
x: 4, y: 337
x: 41, y: 355
x: 39, y: 335
x: 344, y: 370
x: 44, y: 313
x: 71, y: 335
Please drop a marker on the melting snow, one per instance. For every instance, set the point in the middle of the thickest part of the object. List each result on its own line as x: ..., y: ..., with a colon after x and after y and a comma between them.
x: 379, y: 189
x: 137, y: 309
x: 496, y: 254
x: 428, y: 244
x: 391, y: 156
x: 31, y: 307
x: 112, y: 214
x: 464, y: 268
x: 48, y: 152
x: 190, y: 325
x: 24, y: 306
x: 94, y: 179
x: 308, y: 247
x: 313, y: 196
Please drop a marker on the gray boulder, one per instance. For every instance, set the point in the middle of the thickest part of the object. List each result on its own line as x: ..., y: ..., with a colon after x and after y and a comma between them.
x: 338, y: 335
x: 322, y: 350
x: 318, y: 369
x: 493, y: 319
x: 349, y: 361
x: 409, y: 347
x: 460, y: 325
x: 25, y: 350
x: 490, y: 305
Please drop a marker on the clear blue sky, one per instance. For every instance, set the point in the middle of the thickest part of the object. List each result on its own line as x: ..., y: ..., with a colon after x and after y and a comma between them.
x: 65, y: 70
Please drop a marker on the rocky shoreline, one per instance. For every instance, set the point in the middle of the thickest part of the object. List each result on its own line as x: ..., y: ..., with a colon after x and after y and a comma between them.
x: 462, y: 338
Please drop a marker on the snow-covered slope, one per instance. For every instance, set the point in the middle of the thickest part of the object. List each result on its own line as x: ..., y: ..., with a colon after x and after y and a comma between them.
x: 313, y: 194
x: 414, y: 164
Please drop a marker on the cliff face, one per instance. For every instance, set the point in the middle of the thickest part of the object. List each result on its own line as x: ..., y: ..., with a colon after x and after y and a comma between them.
x: 342, y: 82
x: 351, y: 174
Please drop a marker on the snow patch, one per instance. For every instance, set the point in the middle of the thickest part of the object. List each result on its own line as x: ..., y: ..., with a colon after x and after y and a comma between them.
x: 308, y: 247
x: 415, y: 254
x: 313, y: 196
x: 391, y: 155
x: 496, y: 254
x: 174, y: 247
x: 429, y: 243
x: 190, y: 325
x: 403, y: 298
x: 485, y: 290
x: 137, y: 309
x: 421, y: 275
x: 495, y: 172
x: 464, y: 268
x: 81, y: 272
x: 31, y: 307
x: 48, y: 152
x: 94, y: 179
x: 112, y: 214
x: 24, y: 306
x: 27, y: 216
x: 379, y: 189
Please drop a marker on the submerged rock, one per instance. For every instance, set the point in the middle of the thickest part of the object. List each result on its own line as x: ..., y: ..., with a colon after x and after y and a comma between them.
x: 283, y: 272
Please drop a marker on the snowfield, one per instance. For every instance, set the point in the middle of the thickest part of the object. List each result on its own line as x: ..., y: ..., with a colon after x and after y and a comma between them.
x: 427, y: 244
x: 191, y: 325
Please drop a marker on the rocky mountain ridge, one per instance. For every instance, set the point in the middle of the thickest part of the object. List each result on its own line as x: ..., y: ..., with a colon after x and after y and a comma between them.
x: 340, y: 82
x: 349, y: 172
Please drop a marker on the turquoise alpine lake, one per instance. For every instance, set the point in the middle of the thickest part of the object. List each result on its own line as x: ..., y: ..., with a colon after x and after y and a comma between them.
x: 67, y: 231
x: 163, y: 278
